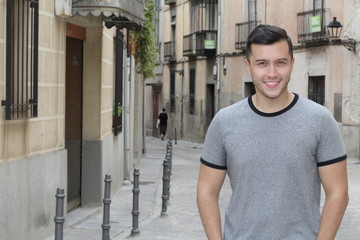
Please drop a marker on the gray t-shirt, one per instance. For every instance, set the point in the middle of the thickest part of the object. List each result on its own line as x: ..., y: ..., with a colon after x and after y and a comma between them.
x: 272, y: 162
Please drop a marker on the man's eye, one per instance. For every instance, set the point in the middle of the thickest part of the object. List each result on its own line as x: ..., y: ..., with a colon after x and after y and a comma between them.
x: 262, y: 63
x: 281, y: 62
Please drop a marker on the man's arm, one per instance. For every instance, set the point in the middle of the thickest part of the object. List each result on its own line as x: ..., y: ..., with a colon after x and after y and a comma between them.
x: 335, y: 183
x: 209, y: 184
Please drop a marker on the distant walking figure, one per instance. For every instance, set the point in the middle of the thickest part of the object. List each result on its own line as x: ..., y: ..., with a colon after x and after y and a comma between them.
x: 163, y: 117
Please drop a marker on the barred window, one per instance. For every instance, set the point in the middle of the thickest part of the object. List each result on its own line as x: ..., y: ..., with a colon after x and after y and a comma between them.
x: 22, y: 34
x: 117, y: 104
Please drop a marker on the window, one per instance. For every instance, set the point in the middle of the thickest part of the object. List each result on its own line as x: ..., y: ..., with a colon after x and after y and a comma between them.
x: 243, y: 30
x: 117, y: 104
x: 22, y: 34
x: 204, y: 15
x: 251, y: 10
x: 316, y: 89
x: 318, y: 4
x: 172, y: 91
x: 192, y: 92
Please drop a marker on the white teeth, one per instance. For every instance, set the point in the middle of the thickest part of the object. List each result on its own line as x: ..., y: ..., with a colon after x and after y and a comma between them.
x: 271, y: 83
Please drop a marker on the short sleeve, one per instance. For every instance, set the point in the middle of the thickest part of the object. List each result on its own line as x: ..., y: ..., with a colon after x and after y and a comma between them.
x: 331, y: 147
x: 214, y: 154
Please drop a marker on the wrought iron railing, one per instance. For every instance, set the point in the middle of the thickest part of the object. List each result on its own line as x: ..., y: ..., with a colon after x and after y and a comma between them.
x: 312, y: 26
x: 169, y: 51
x: 242, y: 31
x: 200, y: 43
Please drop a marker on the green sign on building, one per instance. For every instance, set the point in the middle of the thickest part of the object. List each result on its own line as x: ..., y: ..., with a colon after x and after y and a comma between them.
x: 315, y: 24
x: 209, y: 44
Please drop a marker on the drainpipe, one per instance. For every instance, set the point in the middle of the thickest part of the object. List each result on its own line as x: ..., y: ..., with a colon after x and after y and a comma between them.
x: 143, y: 117
x: 182, y: 100
x: 218, y: 57
x: 126, y: 119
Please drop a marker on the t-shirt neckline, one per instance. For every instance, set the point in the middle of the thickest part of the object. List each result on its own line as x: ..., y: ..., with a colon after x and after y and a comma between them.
x: 257, y: 111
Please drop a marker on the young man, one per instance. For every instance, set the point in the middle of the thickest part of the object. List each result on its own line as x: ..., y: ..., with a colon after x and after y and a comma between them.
x: 277, y: 149
x: 163, y: 117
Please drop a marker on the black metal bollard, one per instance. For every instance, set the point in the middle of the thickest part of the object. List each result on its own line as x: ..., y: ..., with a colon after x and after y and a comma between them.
x: 169, y: 156
x: 106, y: 212
x: 166, y: 188
x: 175, y: 137
x: 135, y: 212
x: 59, y: 214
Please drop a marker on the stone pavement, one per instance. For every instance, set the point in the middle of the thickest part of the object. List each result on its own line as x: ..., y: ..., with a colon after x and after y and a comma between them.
x: 182, y: 221
x: 350, y: 226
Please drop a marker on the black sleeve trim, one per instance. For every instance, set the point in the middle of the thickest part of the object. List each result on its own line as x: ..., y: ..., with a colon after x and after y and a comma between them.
x: 212, y: 165
x: 339, y: 159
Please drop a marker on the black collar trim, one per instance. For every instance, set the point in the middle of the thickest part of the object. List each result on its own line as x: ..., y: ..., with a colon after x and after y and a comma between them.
x: 252, y: 106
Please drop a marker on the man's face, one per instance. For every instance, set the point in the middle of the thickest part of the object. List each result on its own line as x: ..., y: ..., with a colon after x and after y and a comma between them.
x: 270, y: 68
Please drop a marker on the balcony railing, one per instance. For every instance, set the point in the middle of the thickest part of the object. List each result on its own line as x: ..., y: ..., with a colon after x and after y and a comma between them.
x: 200, y: 44
x: 312, y: 26
x: 169, y: 2
x: 169, y: 51
x: 242, y: 31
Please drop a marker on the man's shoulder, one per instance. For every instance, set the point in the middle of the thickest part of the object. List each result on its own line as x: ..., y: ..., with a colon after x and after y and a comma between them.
x: 312, y: 107
x: 237, y: 107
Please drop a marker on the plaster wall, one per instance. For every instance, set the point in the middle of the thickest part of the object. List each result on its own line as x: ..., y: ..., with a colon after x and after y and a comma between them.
x: 28, y: 187
x: 107, y: 80
x: 92, y: 84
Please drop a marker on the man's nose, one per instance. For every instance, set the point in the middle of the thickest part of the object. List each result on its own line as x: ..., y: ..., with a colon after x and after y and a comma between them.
x: 272, y: 71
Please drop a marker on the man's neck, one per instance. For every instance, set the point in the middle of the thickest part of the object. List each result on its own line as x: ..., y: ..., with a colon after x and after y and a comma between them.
x: 268, y: 105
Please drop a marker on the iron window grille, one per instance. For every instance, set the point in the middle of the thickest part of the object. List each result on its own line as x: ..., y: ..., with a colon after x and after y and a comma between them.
x: 192, y: 92
x: 117, y: 105
x: 242, y: 31
x: 172, y: 91
x: 22, y: 37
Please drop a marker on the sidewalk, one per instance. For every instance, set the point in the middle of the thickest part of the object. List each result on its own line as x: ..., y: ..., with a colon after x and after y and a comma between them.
x: 182, y: 222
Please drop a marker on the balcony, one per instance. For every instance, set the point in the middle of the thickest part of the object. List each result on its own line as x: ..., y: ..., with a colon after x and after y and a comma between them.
x: 312, y: 27
x: 170, y: 2
x: 169, y: 51
x: 242, y: 31
x: 200, y: 44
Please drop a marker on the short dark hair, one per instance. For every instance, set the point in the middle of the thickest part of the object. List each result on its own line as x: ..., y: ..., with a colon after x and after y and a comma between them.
x: 267, y: 34
x: 163, y: 109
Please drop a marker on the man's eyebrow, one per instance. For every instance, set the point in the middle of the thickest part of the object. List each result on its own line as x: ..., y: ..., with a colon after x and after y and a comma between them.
x: 264, y: 60
x: 261, y: 60
x: 283, y: 59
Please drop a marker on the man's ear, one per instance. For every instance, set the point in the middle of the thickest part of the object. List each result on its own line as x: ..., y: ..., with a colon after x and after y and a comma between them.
x: 292, y: 64
x: 247, y: 65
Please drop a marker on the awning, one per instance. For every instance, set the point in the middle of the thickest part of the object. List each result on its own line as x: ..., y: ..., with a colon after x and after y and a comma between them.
x: 127, y: 13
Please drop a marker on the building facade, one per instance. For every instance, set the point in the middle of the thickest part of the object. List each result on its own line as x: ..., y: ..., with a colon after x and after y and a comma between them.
x: 72, y: 107
x: 204, y: 52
